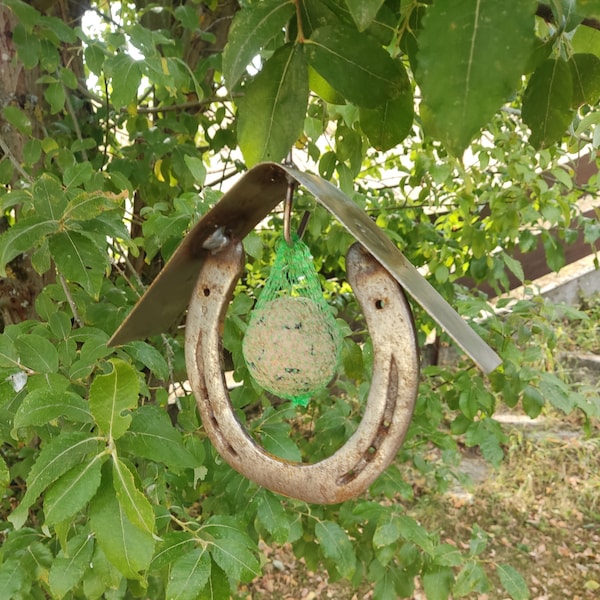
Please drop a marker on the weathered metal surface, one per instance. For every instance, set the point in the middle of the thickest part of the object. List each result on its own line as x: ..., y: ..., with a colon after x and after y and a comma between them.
x: 350, y: 470
x: 246, y: 204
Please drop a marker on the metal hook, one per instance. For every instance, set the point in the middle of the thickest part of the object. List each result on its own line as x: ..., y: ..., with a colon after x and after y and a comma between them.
x: 287, y: 211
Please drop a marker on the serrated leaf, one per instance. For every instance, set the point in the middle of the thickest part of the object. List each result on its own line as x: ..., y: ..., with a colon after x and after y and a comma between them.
x: 355, y: 65
x: 336, y: 546
x: 415, y: 533
x: 37, y: 353
x: 189, y: 575
x: 585, y: 73
x: 271, y: 513
x: 17, y: 118
x: 22, y: 236
x: 514, y: 266
x: 55, y: 95
x: 126, y: 546
x: 56, y: 458
x: 80, y: 260
x: 275, y: 438
x: 218, y: 585
x: 463, y: 67
x: 174, y: 545
x: 271, y: 113
x: 70, y: 564
x: 387, y: 125
x: 150, y: 357
x: 471, y: 578
x: 363, y: 11
x: 251, y: 30
x: 547, y: 102
x: 40, y: 407
x: 111, y: 395
x: 386, y: 533
x: 151, y: 435
x: 437, y: 583
x: 513, y: 582
x: 132, y: 501
x: 126, y: 75
x: 69, y: 494
x: 231, y: 548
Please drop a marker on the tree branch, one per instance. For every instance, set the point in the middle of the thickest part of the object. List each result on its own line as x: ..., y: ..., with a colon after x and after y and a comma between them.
x: 545, y: 12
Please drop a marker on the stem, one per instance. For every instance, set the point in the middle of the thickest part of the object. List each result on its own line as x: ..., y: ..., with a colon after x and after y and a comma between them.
x: 300, y: 37
x: 70, y: 300
x: 8, y: 153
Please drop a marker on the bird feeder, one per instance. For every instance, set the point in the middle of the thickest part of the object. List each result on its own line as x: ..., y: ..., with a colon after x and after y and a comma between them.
x: 202, y: 274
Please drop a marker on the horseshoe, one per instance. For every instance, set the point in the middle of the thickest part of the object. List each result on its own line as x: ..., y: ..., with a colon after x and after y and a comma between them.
x: 372, y: 447
x: 375, y: 269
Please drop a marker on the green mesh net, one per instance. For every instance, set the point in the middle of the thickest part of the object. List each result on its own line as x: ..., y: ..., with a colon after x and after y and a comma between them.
x: 292, y: 344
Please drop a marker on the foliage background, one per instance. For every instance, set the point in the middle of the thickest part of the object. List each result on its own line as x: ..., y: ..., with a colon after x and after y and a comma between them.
x: 437, y: 118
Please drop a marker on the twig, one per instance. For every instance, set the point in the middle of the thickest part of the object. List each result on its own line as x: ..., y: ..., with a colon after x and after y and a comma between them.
x: 8, y: 153
x: 70, y: 300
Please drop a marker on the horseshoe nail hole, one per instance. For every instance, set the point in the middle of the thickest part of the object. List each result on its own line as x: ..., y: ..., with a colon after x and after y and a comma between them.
x: 206, y: 292
x: 379, y: 304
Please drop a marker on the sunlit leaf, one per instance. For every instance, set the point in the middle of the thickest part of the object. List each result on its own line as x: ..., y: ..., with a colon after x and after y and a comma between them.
x: 111, y: 396
x: 513, y: 582
x: 251, y: 30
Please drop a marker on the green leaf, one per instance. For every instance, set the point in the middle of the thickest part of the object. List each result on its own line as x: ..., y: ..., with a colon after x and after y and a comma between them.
x: 70, y: 564
x: 355, y: 65
x: 150, y: 357
x: 49, y: 198
x: 337, y: 547
x: 275, y: 438
x: 17, y: 118
x: 271, y: 513
x: 363, y: 11
x: 113, y: 394
x: 22, y: 236
x: 464, y: 70
x: 126, y: 546
x: 78, y: 173
x: 80, y: 260
x: 513, y: 582
x: 196, y: 167
x: 585, y: 73
x: 271, y: 113
x: 189, y: 575
x: 514, y: 266
x: 43, y: 406
x: 55, y: 95
x: 4, y: 475
x: 69, y: 494
x: 131, y: 500
x: 232, y: 548
x: 37, y: 353
x: 56, y: 458
x: 387, y: 125
x: 471, y: 578
x: 413, y: 532
x: 547, y: 102
x: 437, y: 583
x: 126, y: 75
x: 386, y: 533
x: 251, y: 30
x: 151, y: 435
x: 554, y: 251
x: 12, y: 575
x: 174, y: 545
x: 589, y: 8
